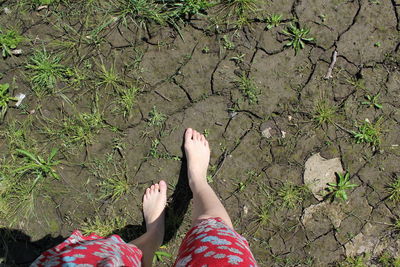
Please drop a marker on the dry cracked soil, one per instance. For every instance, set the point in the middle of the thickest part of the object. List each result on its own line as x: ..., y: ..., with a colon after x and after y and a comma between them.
x: 259, y: 148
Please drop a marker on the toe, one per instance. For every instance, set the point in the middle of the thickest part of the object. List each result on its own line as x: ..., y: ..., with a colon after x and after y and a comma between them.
x: 163, y: 186
x: 188, y: 134
x: 152, y: 187
x: 147, y: 192
x: 156, y: 187
x: 202, y: 138
x: 196, y: 136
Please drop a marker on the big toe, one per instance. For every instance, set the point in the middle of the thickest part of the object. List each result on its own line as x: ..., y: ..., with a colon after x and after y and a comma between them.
x: 188, y: 134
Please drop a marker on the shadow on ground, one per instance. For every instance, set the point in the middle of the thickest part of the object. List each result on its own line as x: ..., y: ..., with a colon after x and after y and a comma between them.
x: 18, y: 249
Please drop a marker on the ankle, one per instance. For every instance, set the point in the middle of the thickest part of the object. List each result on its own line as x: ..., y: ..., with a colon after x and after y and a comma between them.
x: 198, y: 185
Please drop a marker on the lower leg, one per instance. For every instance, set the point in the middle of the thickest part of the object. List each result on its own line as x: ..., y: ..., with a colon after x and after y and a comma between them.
x: 206, y: 204
x: 154, y: 201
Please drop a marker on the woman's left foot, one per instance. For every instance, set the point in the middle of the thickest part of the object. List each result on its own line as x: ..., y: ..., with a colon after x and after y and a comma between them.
x: 154, y: 201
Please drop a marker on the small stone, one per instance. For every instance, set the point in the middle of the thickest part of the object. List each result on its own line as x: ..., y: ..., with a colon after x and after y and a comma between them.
x: 16, y: 52
x: 365, y: 242
x: 41, y: 7
x: 290, y: 118
x: 245, y: 210
x: 269, y: 129
x: 20, y: 97
x: 331, y: 210
x: 232, y: 114
x: 318, y: 172
x: 267, y: 132
x: 7, y: 10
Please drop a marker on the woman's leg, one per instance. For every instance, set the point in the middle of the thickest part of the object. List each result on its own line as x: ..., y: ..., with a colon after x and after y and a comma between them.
x: 205, y: 202
x: 212, y: 240
x: 154, y: 201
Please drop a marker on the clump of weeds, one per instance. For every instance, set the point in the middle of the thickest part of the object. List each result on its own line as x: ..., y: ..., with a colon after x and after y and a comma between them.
x: 144, y: 12
x: 5, y: 98
x: 357, y: 261
x: 109, y: 78
x: 291, y: 195
x: 388, y: 260
x: 238, y: 12
x: 264, y: 205
x: 251, y: 176
x: 323, y: 113
x: 369, y: 133
x: 248, y: 88
x: 113, y: 174
x: 18, y: 197
x: 9, y: 40
x: 357, y: 83
x: 298, y: 37
x: 23, y: 181
x: 227, y: 43
x: 394, y: 190
x: 77, y: 130
x: 33, y: 4
x: 103, y: 226
x: 156, y: 118
x: 372, y: 101
x: 154, y: 153
x: 272, y: 21
x: 38, y: 166
x: 263, y: 215
x: 141, y: 12
x: 127, y: 99
x: 338, y: 190
x: 16, y: 134
x: 45, y: 71
x: 189, y: 8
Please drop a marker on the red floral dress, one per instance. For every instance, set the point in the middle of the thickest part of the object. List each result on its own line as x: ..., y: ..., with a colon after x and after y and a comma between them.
x: 209, y: 243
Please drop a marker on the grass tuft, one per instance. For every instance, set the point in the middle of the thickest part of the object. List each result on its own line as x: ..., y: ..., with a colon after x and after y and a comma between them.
x: 291, y: 195
x: 369, y: 133
x: 75, y: 131
x: 248, y: 88
x: 394, y: 190
x: 9, y: 40
x: 323, y: 113
x: 273, y: 20
x: 357, y: 261
x: 45, y: 71
x: 5, y: 98
x: 238, y: 12
x: 156, y: 118
x: 127, y: 100
x: 103, y: 227
x: 109, y: 78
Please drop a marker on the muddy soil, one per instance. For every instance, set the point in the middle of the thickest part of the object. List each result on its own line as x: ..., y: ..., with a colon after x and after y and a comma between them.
x: 191, y: 77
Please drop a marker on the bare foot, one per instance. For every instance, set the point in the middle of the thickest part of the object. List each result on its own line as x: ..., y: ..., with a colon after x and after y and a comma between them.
x: 154, y: 201
x: 198, y: 156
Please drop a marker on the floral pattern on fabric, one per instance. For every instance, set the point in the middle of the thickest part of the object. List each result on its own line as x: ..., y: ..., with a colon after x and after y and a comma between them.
x: 209, y: 243
x: 213, y: 243
x: 88, y: 251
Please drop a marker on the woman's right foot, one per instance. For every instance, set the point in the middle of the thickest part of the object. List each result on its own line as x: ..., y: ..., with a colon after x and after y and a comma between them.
x: 197, y: 153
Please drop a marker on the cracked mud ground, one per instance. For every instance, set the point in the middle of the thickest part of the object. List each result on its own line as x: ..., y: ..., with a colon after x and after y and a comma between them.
x: 199, y: 90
